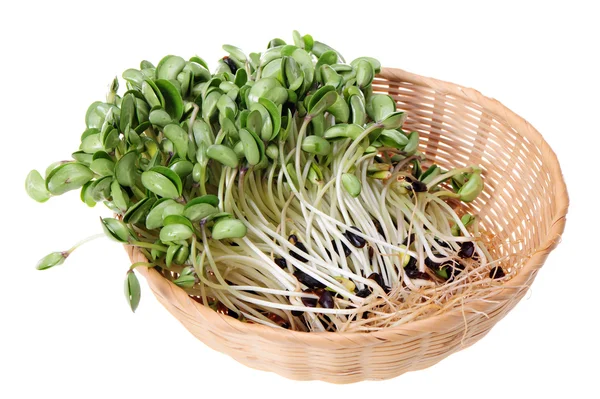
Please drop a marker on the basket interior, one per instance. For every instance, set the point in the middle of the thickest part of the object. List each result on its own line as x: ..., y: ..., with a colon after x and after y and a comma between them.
x: 518, y: 200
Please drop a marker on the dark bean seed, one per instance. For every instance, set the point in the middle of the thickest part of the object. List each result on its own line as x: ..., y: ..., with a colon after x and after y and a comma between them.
x: 309, y: 302
x: 365, y: 292
x: 454, y: 269
x: 411, y: 269
x: 278, y: 320
x: 329, y: 325
x: 234, y: 244
x: 379, y: 228
x: 293, y: 239
x: 297, y: 313
x: 221, y: 308
x: 418, y: 186
x: 302, y: 248
x: 497, y: 272
x: 307, y: 280
x: 377, y: 278
x: 197, y: 299
x: 230, y: 64
x: 325, y: 298
x: 347, y: 251
x: 408, y: 240
x: 281, y: 262
x: 431, y: 264
x: 442, y: 244
x: 467, y: 249
x: 371, y: 253
x: 355, y: 240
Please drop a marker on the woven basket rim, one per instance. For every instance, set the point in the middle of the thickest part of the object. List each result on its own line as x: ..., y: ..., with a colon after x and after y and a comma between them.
x: 428, y: 324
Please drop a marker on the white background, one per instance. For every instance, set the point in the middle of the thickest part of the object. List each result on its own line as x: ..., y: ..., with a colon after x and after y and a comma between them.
x: 67, y: 332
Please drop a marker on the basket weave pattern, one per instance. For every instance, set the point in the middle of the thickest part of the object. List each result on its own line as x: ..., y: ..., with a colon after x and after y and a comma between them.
x: 524, y: 204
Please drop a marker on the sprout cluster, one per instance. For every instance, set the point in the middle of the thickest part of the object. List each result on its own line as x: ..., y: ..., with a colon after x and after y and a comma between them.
x: 279, y: 189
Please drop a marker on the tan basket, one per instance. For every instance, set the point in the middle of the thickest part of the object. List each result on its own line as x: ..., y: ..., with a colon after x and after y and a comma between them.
x: 525, y: 202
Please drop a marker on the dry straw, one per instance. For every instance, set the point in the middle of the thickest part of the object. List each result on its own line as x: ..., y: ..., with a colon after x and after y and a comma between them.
x: 522, y: 209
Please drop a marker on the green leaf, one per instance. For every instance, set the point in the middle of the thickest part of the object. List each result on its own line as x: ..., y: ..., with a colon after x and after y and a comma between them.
x: 173, y: 103
x: 204, y: 199
x: 341, y: 131
x: 103, y: 167
x: 154, y: 219
x: 115, y: 229
x: 179, y: 137
x: 275, y: 115
x: 175, y: 232
x: 163, y: 181
x: 67, y: 177
x: 51, y: 260
x: 223, y: 154
x: 36, y: 187
x: 132, y: 290
x: 169, y: 67
x: 351, y: 184
x: 380, y: 106
x: 394, y: 120
x: 228, y: 228
x: 316, y: 145
x: 126, y: 169
x: 119, y: 197
x: 199, y: 211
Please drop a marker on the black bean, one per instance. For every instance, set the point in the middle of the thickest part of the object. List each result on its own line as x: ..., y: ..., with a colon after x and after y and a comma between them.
x: 302, y: 248
x: 412, y: 271
x: 221, y: 308
x: 325, y: 299
x: 281, y: 262
x: 297, y: 313
x: 329, y: 325
x: 309, y: 302
x: 347, y: 251
x: 365, y: 292
x: 293, y: 239
x: 454, y: 269
x: 442, y: 244
x: 431, y: 264
x: 467, y: 249
x: 379, y: 228
x: 371, y: 252
x: 307, y: 280
x: 418, y: 186
x: 377, y: 278
x: 231, y: 64
x: 497, y: 272
x: 234, y: 244
x: 355, y: 240
x: 408, y: 240
x: 278, y: 320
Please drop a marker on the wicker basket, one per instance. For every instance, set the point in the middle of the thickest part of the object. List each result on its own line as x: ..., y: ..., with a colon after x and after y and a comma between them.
x: 525, y: 202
